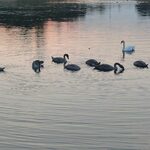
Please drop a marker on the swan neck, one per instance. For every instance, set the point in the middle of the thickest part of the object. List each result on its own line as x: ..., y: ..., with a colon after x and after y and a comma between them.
x: 123, y: 46
x: 66, y: 56
x: 116, y: 68
x: 65, y: 64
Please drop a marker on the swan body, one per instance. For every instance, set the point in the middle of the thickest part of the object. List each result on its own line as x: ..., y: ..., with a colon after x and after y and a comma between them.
x: 104, y: 67
x: 72, y: 67
x: 127, y: 49
x: 107, y: 68
x: 37, y: 65
x: 60, y: 60
x: 140, y: 64
x: 92, y: 62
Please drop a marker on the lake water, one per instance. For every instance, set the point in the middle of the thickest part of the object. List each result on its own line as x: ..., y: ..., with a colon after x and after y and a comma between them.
x: 61, y: 110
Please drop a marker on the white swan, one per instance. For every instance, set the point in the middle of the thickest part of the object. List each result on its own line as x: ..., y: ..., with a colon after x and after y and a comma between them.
x: 127, y: 49
x: 60, y: 60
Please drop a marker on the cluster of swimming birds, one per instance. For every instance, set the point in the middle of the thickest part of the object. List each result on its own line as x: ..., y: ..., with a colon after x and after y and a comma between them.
x: 117, y: 68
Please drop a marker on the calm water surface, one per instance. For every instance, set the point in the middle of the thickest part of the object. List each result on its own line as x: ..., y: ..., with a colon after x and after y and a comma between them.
x: 61, y: 110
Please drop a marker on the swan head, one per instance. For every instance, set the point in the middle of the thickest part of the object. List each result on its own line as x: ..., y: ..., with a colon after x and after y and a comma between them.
x: 122, y: 42
x: 41, y: 63
x: 66, y: 55
x: 118, y: 69
x: 2, y: 69
x: 98, y: 64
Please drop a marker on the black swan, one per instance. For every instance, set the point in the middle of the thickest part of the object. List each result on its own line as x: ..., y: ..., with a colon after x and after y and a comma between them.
x: 60, y: 60
x: 37, y: 65
x: 140, y: 64
x: 107, y: 68
x: 71, y: 67
x: 92, y: 62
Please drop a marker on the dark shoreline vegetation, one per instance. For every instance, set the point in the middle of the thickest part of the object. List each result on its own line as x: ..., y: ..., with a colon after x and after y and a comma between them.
x: 34, y: 13
x: 143, y: 7
x: 30, y: 13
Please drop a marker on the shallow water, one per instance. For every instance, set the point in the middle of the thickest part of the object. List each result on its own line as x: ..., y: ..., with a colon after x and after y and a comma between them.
x: 57, y: 109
